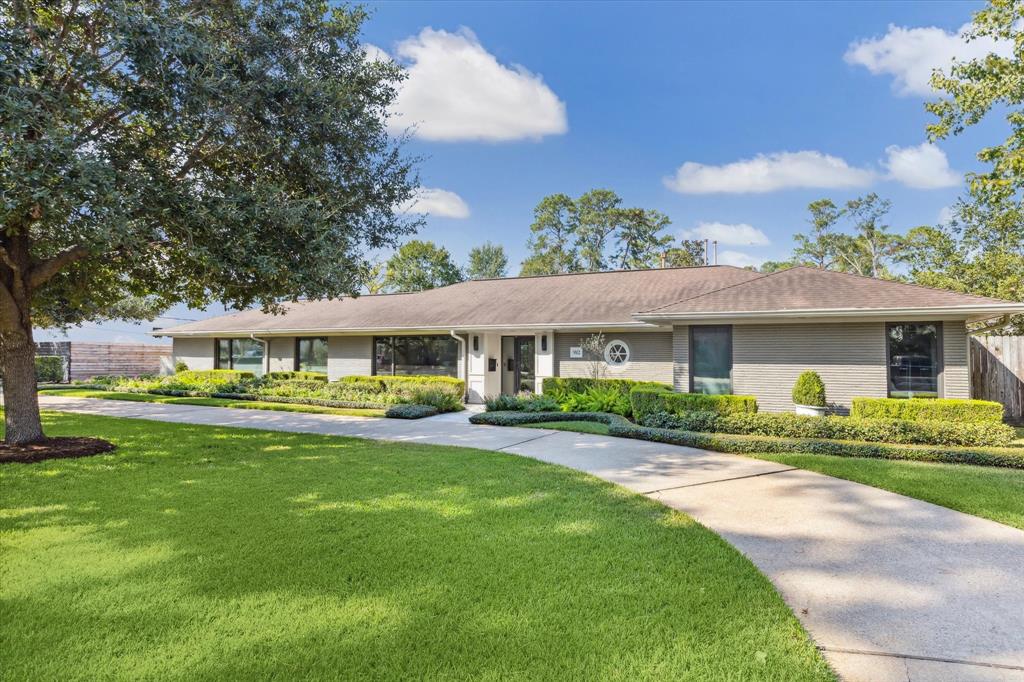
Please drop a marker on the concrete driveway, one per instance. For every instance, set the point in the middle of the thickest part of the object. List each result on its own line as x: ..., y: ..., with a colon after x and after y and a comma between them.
x: 889, y: 587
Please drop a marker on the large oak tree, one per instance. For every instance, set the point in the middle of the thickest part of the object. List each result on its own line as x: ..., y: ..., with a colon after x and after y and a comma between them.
x: 184, y: 152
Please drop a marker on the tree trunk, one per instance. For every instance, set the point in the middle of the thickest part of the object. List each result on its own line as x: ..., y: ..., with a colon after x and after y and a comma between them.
x: 21, y: 405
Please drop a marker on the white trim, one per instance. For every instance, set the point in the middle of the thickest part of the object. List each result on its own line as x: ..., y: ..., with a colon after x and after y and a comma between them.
x: 536, y: 328
x: 607, y: 353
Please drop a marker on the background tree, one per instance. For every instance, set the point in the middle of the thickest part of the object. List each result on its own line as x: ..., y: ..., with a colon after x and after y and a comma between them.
x: 818, y: 248
x: 595, y: 232
x: 597, y: 219
x: 982, y: 251
x: 487, y: 261
x: 419, y: 265
x: 373, y: 280
x: 184, y: 153
x: 639, y: 243
x: 552, y: 237
x: 687, y: 253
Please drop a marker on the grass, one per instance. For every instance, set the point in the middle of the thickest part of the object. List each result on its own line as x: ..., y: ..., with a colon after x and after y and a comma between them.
x: 988, y: 492
x: 579, y: 427
x: 196, y: 552
x: 214, y: 402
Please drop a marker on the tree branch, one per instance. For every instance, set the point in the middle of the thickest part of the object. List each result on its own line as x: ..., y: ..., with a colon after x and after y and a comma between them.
x: 41, y: 273
x: 6, y: 258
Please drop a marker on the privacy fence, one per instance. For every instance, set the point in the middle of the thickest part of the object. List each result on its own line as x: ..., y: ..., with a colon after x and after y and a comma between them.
x: 85, y: 360
x: 997, y: 373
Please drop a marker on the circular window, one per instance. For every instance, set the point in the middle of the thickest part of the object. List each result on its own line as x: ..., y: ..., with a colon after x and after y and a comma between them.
x: 616, y: 353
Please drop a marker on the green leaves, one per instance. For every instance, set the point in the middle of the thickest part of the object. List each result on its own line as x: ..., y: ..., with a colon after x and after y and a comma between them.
x: 419, y: 265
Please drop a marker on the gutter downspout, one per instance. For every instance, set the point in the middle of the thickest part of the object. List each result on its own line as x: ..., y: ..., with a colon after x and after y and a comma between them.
x: 266, y: 351
x: 463, y: 362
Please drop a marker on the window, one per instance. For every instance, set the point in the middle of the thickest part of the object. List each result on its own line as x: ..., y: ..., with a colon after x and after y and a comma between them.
x: 311, y: 355
x: 416, y: 355
x: 241, y: 354
x: 711, y: 359
x: 914, y: 356
x: 616, y: 353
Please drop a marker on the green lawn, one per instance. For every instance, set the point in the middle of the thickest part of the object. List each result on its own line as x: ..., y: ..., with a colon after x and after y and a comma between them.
x: 198, y: 552
x: 989, y: 492
x: 580, y: 427
x: 212, y: 402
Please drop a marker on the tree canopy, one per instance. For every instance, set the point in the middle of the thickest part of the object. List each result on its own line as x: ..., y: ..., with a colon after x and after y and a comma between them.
x: 419, y: 265
x: 595, y: 232
x: 487, y: 261
x: 182, y: 153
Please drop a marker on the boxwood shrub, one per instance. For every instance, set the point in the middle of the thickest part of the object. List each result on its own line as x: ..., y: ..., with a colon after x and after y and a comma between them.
x: 741, y: 444
x: 646, y: 401
x: 410, y: 411
x: 837, y: 428
x: 928, y: 409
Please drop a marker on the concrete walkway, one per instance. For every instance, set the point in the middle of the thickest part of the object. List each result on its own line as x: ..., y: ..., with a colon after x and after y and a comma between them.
x: 889, y: 587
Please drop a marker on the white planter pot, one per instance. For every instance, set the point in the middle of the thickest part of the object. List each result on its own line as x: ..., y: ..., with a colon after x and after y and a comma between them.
x: 811, y: 411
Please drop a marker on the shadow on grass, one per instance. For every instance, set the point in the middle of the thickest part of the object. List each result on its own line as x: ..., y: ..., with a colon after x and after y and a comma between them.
x: 206, y: 552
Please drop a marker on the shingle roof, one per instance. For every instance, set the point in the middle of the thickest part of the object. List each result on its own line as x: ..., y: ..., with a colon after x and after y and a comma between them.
x: 813, y: 289
x: 605, y: 298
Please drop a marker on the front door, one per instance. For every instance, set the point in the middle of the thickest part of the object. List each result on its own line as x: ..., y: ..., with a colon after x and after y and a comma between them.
x: 518, y: 374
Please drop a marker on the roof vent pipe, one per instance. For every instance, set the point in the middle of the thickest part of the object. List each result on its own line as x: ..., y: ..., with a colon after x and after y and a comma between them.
x: 706, y: 253
x: 715, y: 243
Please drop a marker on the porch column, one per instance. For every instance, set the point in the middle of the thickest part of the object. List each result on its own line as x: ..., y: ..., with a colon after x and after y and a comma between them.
x: 544, y: 354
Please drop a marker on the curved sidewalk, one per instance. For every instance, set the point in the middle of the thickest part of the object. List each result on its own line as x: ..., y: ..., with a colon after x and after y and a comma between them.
x: 890, y: 588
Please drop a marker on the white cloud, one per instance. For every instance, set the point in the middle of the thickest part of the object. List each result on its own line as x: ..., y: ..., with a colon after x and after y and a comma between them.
x: 946, y: 215
x: 910, y: 55
x: 739, y: 259
x: 736, y: 235
x: 456, y: 90
x: 768, y: 173
x: 437, y: 202
x: 921, y: 167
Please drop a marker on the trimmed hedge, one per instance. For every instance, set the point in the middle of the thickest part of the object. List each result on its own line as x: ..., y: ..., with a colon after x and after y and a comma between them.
x: 581, y: 384
x: 647, y: 402
x: 1012, y: 458
x: 838, y: 428
x: 296, y: 376
x: 49, y: 368
x: 410, y: 411
x: 928, y: 409
x: 583, y: 394
x: 387, y: 379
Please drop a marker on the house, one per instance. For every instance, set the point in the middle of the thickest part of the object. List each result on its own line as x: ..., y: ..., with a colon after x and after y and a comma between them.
x: 713, y: 329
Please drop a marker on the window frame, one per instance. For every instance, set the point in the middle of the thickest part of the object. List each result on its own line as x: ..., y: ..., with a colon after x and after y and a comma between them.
x: 299, y: 339
x: 940, y: 360
x: 375, y: 368
x: 690, y: 353
x: 608, y: 349
x: 231, y: 353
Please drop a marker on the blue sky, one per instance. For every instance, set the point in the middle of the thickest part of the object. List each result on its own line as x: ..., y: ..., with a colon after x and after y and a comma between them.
x: 729, y: 118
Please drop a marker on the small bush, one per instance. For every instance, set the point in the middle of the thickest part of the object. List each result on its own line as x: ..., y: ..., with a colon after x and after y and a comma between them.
x: 583, y: 394
x: 49, y: 368
x: 809, y: 390
x: 928, y: 409
x: 440, y: 400
x: 502, y: 403
x: 647, y: 401
x: 538, y: 402
x: 230, y: 376
x: 179, y: 367
x: 410, y: 411
x: 837, y: 428
x: 296, y: 376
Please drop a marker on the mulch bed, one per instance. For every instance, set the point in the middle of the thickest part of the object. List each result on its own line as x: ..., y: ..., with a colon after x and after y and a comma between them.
x: 54, y: 448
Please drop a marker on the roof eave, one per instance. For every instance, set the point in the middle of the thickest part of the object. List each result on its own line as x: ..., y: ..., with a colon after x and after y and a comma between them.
x: 634, y: 324
x: 971, y: 312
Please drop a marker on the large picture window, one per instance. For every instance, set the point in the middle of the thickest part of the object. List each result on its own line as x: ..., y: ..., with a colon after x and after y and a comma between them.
x: 711, y: 359
x: 416, y: 355
x: 311, y: 354
x: 915, y: 356
x: 241, y: 354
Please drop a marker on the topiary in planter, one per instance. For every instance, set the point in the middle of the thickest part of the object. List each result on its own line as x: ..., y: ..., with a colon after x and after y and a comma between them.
x: 809, y: 390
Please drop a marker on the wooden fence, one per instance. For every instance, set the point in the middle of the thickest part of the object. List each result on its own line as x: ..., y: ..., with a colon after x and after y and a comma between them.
x: 85, y: 360
x: 997, y: 373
